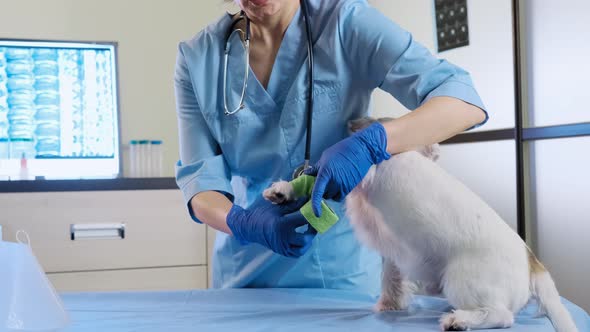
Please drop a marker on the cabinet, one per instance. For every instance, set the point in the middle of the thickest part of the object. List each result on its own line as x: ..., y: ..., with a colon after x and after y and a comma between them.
x: 162, y: 248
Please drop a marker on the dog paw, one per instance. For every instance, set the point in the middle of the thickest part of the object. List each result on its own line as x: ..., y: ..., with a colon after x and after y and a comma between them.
x: 381, y: 307
x: 450, y: 322
x: 280, y: 192
x: 385, y: 304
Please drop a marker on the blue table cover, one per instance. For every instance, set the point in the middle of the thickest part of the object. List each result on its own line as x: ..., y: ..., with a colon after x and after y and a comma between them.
x: 238, y: 310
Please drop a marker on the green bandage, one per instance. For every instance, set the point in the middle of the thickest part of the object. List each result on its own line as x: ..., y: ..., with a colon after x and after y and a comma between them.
x: 303, y: 186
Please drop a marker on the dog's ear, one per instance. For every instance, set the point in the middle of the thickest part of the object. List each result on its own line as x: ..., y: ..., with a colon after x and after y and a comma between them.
x: 431, y: 152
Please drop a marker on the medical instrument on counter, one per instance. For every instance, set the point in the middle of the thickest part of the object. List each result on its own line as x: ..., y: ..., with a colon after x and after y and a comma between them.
x: 24, y: 170
x: 246, y: 43
x: 145, y: 158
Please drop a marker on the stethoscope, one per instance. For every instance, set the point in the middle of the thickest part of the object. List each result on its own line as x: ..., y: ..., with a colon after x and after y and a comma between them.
x: 246, y: 43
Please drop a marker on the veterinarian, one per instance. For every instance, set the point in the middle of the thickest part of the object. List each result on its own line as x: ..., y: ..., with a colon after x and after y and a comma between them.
x: 227, y: 160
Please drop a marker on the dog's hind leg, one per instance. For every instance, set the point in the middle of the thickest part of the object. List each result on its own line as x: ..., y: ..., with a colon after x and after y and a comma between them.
x: 485, y: 318
x: 484, y: 291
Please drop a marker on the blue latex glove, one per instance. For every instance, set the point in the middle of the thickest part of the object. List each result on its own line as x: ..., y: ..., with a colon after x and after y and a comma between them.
x: 272, y: 226
x: 344, y: 165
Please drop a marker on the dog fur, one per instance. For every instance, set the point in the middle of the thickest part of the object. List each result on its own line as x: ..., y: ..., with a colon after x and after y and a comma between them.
x: 434, y: 231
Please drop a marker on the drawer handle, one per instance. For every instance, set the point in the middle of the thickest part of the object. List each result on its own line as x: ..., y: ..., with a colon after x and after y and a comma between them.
x: 97, y: 231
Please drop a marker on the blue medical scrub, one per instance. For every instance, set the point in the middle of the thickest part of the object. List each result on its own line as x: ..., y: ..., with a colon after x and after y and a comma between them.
x: 357, y: 49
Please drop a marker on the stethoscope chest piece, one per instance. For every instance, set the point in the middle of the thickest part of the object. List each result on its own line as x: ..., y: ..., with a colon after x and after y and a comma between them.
x: 299, y: 171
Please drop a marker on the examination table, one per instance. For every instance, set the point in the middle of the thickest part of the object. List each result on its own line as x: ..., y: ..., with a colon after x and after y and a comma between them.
x: 298, y: 310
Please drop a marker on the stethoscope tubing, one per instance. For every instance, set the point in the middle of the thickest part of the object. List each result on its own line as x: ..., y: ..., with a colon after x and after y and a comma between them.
x: 309, y: 114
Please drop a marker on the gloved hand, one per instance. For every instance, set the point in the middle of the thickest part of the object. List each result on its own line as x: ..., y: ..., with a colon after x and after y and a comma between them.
x: 272, y: 226
x: 344, y: 165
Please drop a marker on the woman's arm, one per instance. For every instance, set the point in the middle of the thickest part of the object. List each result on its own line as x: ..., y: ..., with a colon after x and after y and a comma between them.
x: 436, y: 120
x: 383, y: 55
x: 343, y: 165
x: 201, y: 173
x: 212, y: 209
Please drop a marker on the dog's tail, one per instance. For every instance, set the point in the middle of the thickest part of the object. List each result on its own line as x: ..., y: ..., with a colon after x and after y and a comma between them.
x: 544, y: 290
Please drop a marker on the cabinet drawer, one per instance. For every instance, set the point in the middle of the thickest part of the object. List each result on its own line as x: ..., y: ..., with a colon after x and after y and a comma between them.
x: 172, y: 278
x: 158, y: 230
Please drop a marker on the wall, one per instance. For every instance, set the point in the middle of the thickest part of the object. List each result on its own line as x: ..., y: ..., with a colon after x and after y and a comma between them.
x: 148, y: 33
x: 558, y: 79
x: 561, y: 213
x: 557, y: 40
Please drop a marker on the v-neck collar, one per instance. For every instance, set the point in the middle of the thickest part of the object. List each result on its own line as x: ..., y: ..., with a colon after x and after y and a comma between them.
x: 256, y: 96
x: 288, y: 60
x: 287, y: 63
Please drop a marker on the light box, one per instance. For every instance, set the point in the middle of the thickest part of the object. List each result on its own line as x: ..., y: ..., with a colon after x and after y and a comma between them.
x: 58, y: 110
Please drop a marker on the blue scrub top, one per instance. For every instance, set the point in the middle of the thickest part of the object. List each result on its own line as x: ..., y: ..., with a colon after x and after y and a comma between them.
x: 356, y: 50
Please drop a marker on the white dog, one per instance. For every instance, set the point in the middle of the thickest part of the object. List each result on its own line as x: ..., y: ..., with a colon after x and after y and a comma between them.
x: 432, y: 230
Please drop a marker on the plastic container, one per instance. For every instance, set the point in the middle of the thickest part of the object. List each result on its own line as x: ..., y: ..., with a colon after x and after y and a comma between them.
x: 24, y: 168
x: 156, y: 156
x: 144, y: 153
x: 145, y: 158
x: 133, y: 159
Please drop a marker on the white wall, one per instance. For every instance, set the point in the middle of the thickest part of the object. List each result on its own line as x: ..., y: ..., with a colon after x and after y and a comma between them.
x: 558, y: 80
x: 148, y: 33
x: 558, y: 70
x: 562, y: 214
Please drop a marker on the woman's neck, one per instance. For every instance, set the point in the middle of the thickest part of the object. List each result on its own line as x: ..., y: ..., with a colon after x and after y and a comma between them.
x: 270, y: 29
